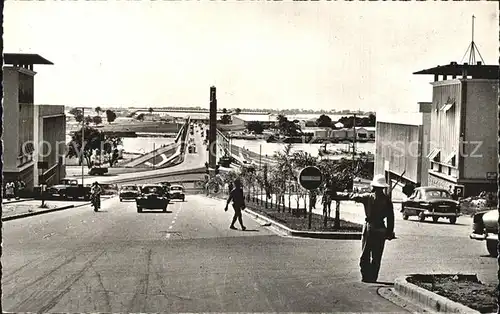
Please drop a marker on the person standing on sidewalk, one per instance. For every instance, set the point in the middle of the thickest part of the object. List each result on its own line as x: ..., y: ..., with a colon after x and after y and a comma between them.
x: 378, y: 206
x: 236, y: 195
x: 326, y: 200
x: 9, y: 190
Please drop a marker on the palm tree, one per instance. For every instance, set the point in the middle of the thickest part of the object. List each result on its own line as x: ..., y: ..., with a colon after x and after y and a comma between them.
x: 98, y: 110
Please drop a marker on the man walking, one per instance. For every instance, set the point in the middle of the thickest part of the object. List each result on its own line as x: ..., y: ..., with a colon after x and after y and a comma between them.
x: 236, y: 195
x: 378, y: 206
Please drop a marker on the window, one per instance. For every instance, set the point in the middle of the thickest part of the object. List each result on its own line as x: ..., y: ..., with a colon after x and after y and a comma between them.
x: 451, y: 159
x: 447, y: 107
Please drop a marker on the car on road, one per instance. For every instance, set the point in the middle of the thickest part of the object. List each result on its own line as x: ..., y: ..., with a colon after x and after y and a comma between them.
x: 152, y: 197
x: 59, y: 190
x: 177, y: 192
x: 129, y: 192
x: 485, y: 228
x: 431, y: 202
x: 98, y: 171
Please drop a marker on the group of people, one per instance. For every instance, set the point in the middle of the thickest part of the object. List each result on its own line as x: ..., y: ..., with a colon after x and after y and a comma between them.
x: 377, y: 206
x: 13, y: 189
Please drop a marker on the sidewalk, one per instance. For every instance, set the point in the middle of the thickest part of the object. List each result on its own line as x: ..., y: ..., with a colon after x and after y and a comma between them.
x: 32, y: 207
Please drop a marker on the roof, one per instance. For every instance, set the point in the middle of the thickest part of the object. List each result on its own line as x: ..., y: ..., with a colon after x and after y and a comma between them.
x: 405, y: 118
x: 368, y: 128
x: 477, y: 71
x: 24, y: 58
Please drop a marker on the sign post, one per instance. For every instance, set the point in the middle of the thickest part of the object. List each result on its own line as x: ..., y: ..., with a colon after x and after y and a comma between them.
x: 310, y: 178
x: 459, y: 190
x: 42, y: 165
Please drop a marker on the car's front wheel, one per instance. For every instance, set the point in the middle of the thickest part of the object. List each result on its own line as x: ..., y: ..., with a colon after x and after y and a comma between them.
x: 405, y: 216
x: 139, y: 209
x: 435, y: 219
x: 491, y: 246
x: 453, y: 220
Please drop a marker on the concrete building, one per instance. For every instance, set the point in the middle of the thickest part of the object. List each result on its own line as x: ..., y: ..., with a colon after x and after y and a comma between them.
x: 31, y: 132
x: 402, y: 145
x: 463, y: 136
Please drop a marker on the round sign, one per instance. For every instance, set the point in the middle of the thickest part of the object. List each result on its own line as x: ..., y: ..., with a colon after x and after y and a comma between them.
x: 310, y: 178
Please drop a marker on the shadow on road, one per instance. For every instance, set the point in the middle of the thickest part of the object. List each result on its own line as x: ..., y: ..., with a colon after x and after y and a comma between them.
x: 438, y: 223
x: 487, y: 255
x: 385, y: 283
x: 156, y: 212
x: 251, y: 230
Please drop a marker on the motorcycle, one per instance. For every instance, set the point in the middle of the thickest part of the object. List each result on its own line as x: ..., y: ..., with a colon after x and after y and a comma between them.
x: 96, y: 201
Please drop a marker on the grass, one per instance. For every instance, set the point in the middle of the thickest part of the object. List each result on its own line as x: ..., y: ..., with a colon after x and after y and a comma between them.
x: 464, y: 289
x: 301, y: 223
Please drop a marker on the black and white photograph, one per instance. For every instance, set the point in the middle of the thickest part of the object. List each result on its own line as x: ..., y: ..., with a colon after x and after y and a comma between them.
x: 250, y: 156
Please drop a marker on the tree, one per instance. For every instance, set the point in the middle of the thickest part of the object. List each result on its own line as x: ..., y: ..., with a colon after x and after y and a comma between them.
x: 140, y: 117
x: 372, y: 120
x: 98, y: 110
x: 237, y: 111
x: 224, y: 110
x: 150, y: 110
x: 97, y: 120
x: 94, y: 141
x: 255, y: 126
x: 77, y: 113
x: 110, y: 115
x: 324, y: 121
x: 88, y: 120
x: 225, y: 119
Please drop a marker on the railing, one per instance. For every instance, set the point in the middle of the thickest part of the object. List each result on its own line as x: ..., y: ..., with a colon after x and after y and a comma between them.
x: 24, y: 159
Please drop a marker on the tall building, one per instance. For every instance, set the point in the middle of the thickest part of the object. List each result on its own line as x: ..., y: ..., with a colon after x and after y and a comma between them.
x: 31, y: 133
x: 463, y: 135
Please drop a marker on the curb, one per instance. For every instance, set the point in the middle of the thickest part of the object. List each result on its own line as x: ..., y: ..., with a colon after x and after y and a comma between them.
x: 303, y: 234
x: 18, y: 201
x: 427, y: 298
x: 46, y: 211
x: 40, y: 212
x: 308, y: 234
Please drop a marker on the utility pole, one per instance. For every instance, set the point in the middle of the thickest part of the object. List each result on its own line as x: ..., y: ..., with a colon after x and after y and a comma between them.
x: 83, y: 144
x: 154, y: 156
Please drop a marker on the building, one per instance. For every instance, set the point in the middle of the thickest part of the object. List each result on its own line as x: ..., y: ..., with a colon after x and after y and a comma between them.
x: 267, y: 120
x: 32, y: 133
x: 402, y: 145
x: 365, y: 133
x: 463, y: 135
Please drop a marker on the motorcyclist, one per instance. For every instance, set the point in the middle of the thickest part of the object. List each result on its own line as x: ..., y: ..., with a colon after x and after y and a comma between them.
x: 96, y: 192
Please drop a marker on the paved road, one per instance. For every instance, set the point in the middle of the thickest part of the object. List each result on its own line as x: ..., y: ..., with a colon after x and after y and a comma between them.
x: 186, y: 260
x: 190, y: 161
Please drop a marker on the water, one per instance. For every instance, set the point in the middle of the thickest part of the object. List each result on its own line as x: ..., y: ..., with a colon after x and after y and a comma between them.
x: 313, y: 149
x: 141, y: 145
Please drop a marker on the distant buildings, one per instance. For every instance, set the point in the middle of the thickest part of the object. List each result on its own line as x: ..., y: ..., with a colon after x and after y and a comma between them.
x: 32, y: 133
x: 242, y: 119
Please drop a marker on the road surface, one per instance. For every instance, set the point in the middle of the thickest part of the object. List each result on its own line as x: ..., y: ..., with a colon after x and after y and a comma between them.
x: 188, y: 260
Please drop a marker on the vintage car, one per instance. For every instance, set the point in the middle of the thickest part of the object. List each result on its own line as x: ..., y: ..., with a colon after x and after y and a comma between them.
x: 129, y: 192
x: 485, y: 228
x: 95, y: 171
x: 177, y: 192
x: 431, y: 202
x: 59, y: 190
x: 152, y: 197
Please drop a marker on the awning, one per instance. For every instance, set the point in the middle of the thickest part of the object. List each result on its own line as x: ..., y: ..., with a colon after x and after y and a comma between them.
x: 450, y: 157
x: 434, y: 153
x: 447, y: 106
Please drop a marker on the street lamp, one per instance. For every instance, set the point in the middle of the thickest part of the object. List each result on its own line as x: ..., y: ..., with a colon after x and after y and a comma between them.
x: 83, y: 143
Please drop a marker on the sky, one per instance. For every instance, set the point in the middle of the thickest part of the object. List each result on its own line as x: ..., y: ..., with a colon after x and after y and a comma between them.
x: 312, y: 55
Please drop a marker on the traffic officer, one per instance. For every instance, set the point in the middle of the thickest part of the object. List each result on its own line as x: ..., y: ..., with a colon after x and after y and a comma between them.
x: 378, y: 206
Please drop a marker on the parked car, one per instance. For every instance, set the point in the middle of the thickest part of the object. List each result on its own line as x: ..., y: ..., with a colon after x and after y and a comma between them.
x: 152, y: 197
x: 129, y: 192
x: 431, y: 202
x: 485, y: 228
x: 94, y: 171
x: 177, y: 192
x: 59, y: 190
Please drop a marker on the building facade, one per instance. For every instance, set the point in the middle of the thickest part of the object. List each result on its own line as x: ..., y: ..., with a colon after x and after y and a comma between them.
x: 402, y: 145
x: 31, y: 132
x: 463, y: 140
